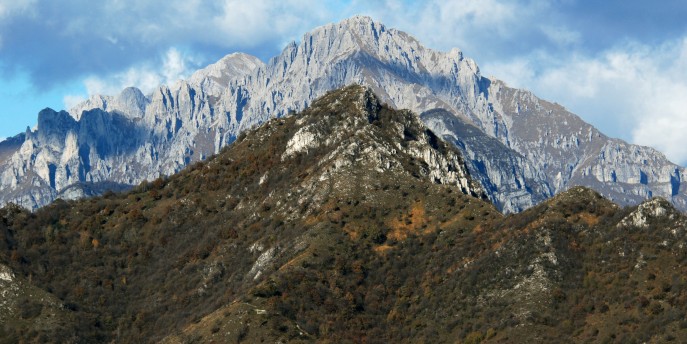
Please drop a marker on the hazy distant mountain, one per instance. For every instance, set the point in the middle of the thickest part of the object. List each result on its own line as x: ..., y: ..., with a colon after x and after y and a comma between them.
x: 543, y: 148
x: 119, y: 141
x: 349, y: 222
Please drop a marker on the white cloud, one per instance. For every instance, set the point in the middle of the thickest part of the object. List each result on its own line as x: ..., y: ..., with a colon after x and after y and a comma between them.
x: 11, y: 7
x: 635, y: 92
x: 561, y: 35
x: 72, y: 100
x: 443, y: 24
x: 664, y: 121
x: 517, y: 72
x: 173, y: 67
x: 468, y: 24
x: 251, y: 23
x: 224, y: 23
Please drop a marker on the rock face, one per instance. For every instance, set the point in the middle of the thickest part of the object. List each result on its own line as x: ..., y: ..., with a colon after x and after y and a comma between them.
x: 511, y: 181
x: 347, y: 170
x: 571, y: 152
x: 534, y: 148
x: 347, y: 222
x: 113, y: 143
x: 373, y: 135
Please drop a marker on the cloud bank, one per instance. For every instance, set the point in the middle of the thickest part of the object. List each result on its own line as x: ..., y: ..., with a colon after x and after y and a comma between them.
x: 66, y: 39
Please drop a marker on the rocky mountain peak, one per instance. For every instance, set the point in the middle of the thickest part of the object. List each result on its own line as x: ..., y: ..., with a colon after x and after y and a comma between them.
x: 131, y: 102
x: 578, y: 199
x: 363, y: 35
x: 345, y: 222
x: 521, y: 148
x: 650, y: 211
x: 359, y: 131
x: 50, y: 120
x: 228, y: 68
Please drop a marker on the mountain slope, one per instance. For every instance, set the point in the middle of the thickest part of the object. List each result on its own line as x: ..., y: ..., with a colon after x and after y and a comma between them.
x: 348, y: 222
x: 117, y: 142
x: 174, y: 249
x: 572, y: 152
x: 506, y: 175
x: 193, y: 119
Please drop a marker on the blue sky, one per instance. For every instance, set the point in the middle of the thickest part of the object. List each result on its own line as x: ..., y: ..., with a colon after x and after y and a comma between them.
x: 620, y: 65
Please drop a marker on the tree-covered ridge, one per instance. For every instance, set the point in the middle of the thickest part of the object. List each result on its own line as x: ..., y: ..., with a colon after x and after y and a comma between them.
x: 349, y: 222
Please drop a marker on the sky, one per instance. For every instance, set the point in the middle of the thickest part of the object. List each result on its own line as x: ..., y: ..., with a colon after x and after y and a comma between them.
x: 620, y: 65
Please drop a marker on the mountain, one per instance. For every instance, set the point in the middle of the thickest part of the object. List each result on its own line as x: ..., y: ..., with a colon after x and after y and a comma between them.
x: 535, y: 148
x: 509, y: 178
x: 348, y: 222
x: 117, y: 142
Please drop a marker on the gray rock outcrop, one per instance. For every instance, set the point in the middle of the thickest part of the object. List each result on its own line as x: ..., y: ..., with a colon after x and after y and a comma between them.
x: 522, y: 149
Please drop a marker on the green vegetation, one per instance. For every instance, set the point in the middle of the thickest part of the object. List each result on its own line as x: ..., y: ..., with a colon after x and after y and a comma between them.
x: 323, y: 245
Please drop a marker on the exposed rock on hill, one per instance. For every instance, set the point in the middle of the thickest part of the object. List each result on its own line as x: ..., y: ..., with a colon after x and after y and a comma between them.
x: 230, y: 222
x: 506, y: 175
x: 349, y: 222
x: 543, y: 149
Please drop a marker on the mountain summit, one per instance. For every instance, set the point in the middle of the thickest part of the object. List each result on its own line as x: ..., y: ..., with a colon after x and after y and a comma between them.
x: 347, y: 166
x: 347, y: 222
x: 522, y: 149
